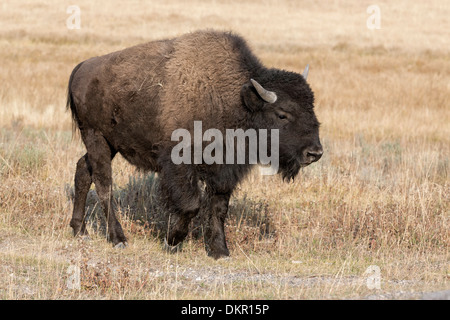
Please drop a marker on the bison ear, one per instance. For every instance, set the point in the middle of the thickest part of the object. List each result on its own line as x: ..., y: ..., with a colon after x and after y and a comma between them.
x: 250, y: 97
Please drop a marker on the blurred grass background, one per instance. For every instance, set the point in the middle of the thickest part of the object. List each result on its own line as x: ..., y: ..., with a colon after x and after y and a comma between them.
x: 379, y: 196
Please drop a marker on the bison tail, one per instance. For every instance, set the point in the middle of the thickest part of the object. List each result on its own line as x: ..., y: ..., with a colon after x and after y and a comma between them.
x: 70, y: 101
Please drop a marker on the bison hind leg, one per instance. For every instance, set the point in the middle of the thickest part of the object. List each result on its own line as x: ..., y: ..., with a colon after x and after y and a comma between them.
x: 83, y: 181
x: 99, y: 159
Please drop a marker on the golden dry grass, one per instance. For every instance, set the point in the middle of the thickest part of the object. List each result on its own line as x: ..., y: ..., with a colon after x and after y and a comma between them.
x: 379, y: 196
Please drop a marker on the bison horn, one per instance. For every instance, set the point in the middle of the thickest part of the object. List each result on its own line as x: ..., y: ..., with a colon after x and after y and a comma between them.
x: 266, y: 95
x: 305, y: 72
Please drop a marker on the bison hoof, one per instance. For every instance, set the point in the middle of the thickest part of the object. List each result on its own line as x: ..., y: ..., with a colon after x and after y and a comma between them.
x: 121, y: 245
x: 223, y: 254
x: 172, y: 249
x: 85, y: 238
x: 80, y: 232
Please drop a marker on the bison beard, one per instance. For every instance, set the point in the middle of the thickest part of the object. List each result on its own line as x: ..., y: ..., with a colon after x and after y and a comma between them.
x: 131, y: 101
x: 289, y: 168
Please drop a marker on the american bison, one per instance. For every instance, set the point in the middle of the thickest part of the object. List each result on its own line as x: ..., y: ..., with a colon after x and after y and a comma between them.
x: 131, y: 101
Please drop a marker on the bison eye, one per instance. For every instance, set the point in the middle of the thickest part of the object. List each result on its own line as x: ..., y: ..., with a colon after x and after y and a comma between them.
x: 281, y: 116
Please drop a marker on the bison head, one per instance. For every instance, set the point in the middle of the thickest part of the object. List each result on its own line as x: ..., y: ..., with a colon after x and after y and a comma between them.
x: 283, y: 100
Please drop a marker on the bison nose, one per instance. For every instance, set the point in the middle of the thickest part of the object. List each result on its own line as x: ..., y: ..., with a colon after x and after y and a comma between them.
x: 313, y: 154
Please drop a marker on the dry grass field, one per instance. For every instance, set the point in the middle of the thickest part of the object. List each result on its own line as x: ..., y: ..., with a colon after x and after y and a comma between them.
x: 375, y: 207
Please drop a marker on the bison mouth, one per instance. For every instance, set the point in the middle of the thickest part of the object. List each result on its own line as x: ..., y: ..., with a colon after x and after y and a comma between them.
x: 290, y: 167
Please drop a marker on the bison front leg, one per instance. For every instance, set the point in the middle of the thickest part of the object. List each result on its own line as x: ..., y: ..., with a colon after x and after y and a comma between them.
x: 215, y: 242
x: 178, y: 228
x: 181, y: 195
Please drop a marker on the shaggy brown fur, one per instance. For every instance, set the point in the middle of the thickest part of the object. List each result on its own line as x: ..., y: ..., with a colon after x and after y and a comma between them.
x: 132, y: 100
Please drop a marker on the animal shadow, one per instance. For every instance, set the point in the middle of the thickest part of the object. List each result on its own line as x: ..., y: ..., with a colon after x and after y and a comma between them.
x: 138, y: 204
